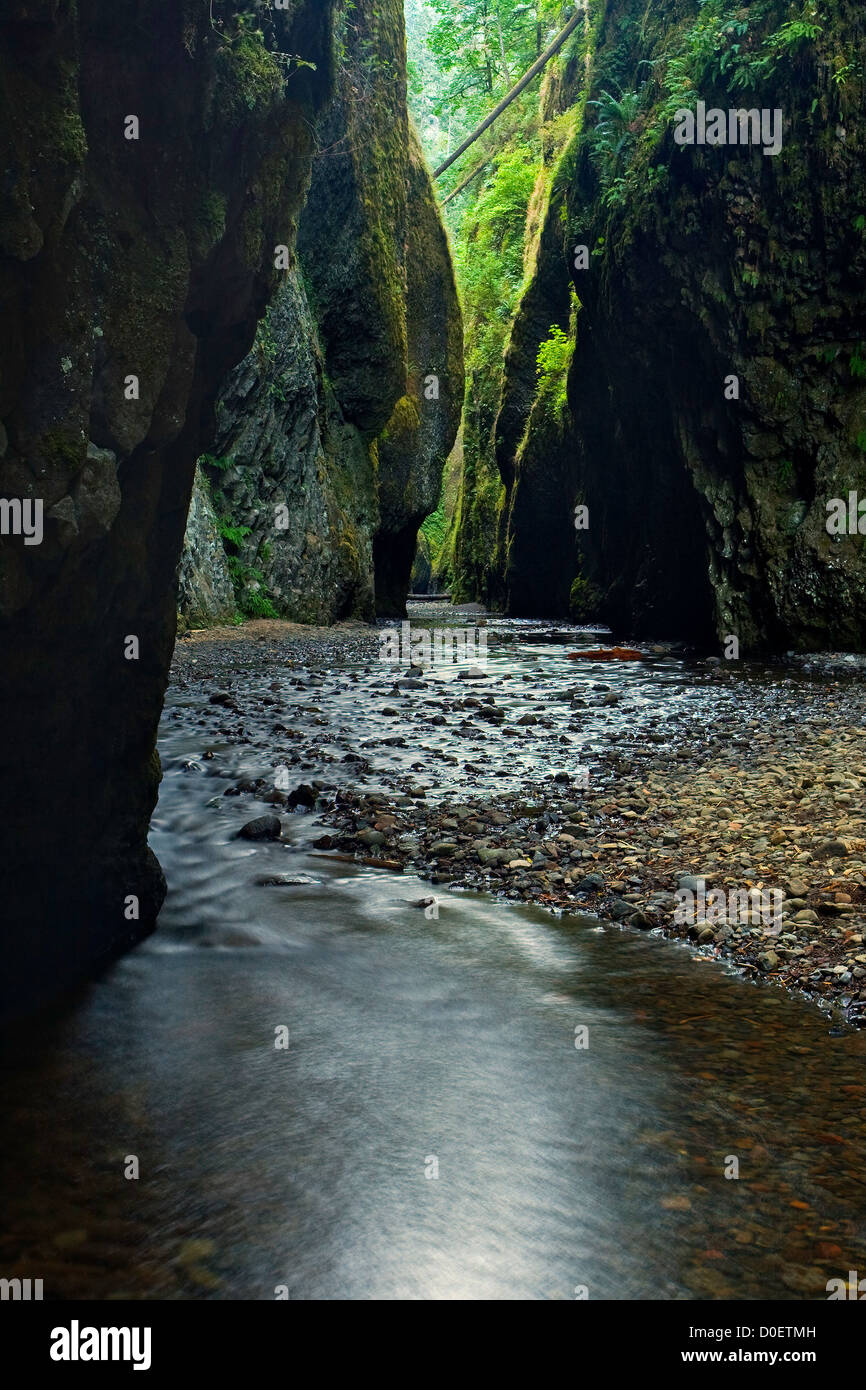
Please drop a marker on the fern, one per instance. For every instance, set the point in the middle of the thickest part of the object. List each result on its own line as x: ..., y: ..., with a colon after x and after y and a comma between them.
x: 552, y: 364
x: 792, y: 34
x: 222, y: 465
x: 257, y: 605
x: 234, y: 535
x: 614, y: 133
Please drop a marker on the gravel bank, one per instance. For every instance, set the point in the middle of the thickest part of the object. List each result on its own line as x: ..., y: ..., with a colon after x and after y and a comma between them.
x: 755, y: 787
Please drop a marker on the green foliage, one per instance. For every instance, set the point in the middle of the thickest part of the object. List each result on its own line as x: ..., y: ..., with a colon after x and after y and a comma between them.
x: 726, y: 48
x: 233, y: 535
x: 255, y: 604
x: 614, y: 132
x: 633, y: 184
x: 424, y: 78
x: 265, y: 344
x: 792, y: 34
x: 436, y: 525
x: 861, y: 441
x: 858, y: 361
x: 844, y: 73
x: 247, y: 580
x: 463, y: 59
x: 583, y: 600
x: 489, y: 256
x: 612, y: 143
x: 246, y: 25
x: 723, y: 49
x: 253, y: 76
x: 552, y: 364
x: 480, y: 48
x: 261, y: 68
x: 784, y: 472
x: 222, y: 465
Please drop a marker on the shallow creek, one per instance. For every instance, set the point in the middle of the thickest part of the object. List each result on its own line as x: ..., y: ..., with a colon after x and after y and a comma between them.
x: 419, y: 1047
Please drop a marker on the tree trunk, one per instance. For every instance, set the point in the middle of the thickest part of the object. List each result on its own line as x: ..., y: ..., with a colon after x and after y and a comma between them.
x: 515, y: 91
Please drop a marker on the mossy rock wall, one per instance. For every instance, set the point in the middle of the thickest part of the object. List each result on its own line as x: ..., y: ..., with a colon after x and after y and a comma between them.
x: 423, y: 426
x: 707, y: 515
x: 205, y: 590
x: 151, y: 258
x: 349, y: 402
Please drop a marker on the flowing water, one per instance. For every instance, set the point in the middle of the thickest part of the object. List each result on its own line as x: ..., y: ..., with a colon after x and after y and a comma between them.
x: 432, y: 1130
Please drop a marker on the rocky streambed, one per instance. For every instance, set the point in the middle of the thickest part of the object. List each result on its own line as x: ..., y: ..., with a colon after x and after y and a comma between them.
x: 327, y: 1007
x: 575, y: 786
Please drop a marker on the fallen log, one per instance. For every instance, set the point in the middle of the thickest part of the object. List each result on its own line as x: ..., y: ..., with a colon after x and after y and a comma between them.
x: 368, y: 861
x: 609, y: 654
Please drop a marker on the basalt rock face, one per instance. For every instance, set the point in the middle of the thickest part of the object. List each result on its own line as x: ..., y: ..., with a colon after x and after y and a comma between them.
x: 294, y: 481
x: 707, y: 497
x: 205, y: 590
x: 120, y: 258
x: 332, y: 433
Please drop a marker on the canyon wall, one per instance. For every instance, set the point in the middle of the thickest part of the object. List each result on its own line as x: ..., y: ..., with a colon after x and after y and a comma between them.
x: 695, y: 375
x: 333, y: 431
x: 154, y: 156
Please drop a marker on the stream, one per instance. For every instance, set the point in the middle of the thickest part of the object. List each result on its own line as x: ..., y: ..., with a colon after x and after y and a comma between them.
x: 496, y: 1103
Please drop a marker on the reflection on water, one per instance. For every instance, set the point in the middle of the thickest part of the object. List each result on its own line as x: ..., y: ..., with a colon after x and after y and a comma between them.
x: 412, y: 1039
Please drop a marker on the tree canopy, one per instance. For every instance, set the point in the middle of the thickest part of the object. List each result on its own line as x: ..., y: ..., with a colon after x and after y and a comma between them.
x: 467, y: 54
